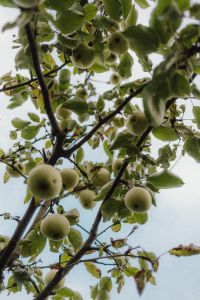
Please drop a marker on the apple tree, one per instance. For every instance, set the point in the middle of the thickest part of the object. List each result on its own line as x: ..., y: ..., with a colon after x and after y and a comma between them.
x: 63, y: 48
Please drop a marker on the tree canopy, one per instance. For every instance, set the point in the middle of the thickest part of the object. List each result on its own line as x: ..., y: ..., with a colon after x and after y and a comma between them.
x: 65, y: 48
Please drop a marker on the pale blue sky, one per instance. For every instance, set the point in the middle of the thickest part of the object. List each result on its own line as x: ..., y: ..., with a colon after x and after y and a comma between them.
x: 174, y: 221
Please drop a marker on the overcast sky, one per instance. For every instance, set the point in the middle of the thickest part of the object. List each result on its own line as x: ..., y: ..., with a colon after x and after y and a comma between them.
x: 175, y: 220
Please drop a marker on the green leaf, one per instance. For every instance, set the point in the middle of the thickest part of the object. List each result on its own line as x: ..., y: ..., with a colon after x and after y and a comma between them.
x: 195, y: 91
x: 154, y: 99
x: 7, y: 3
x: 105, y: 284
x: 122, y: 140
x: 69, y: 293
x: 131, y: 18
x: 75, y: 239
x: 195, y: 10
x: 192, y: 147
x: 180, y: 86
x: 185, y: 250
x: 76, y: 105
x: 55, y: 245
x: 69, y: 21
x: 183, y: 4
x: 25, y: 3
x: 90, y: 11
x: 29, y: 132
x: 33, y: 244
x: 93, y: 270
x: 28, y: 196
x: 34, y: 117
x: 142, y: 3
x: 165, y: 133
x: 196, y: 112
x: 59, y: 4
x: 165, y: 180
x: 79, y: 155
x: 126, y: 7
x: 142, y: 39
x: 106, y: 149
x: 113, y: 8
x: 19, y: 123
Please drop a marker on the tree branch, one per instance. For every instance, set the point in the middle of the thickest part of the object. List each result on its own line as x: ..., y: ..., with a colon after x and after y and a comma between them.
x: 45, y: 93
x: 68, y: 152
x: 28, y: 82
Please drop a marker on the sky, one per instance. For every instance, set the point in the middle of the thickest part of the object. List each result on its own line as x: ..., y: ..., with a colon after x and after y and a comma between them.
x: 174, y: 221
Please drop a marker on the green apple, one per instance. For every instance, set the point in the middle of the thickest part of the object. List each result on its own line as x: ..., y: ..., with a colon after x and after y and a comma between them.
x: 101, y: 177
x: 137, y: 123
x: 13, y: 171
x: 67, y: 124
x: 138, y: 200
x: 83, y: 56
x: 115, y: 78
x: 62, y: 112
x: 110, y: 58
x: 55, y: 227
x: 116, y: 165
x: 81, y: 93
x: 50, y: 275
x: 44, y: 182
x: 117, y: 43
x: 70, y: 178
x: 86, y: 198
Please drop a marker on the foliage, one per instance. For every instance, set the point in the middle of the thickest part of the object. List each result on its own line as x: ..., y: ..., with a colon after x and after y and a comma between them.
x: 62, y: 40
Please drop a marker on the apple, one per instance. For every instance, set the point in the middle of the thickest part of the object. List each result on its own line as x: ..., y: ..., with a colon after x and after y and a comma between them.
x: 90, y: 28
x: 116, y: 165
x: 12, y: 172
x: 70, y: 178
x: 81, y: 93
x: 86, y: 198
x: 83, y: 56
x: 101, y: 177
x: 67, y: 124
x: 137, y: 123
x: 115, y: 78
x: 44, y: 182
x: 138, y: 200
x: 55, y: 227
x: 50, y: 275
x: 62, y: 112
x: 117, y: 43
x: 110, y: 58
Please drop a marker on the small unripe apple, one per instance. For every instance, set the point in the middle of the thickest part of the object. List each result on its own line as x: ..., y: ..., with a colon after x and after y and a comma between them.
x: 138, y: 200
x: 55, y: 227
x: 90, y: 28
x: 84, y: 117
x: 110, y: 58
x: 62, y: 112
x: 81, y: 93
x: 117, y: 43
x: 118, y: 122
x: 70, y: 178
x: 116, y: 165
x: 83, y: 57
x: 137, y: 123
x: 67, y: 124
x: 12, y: 172
x: 50, y: 275
x: 45, y: 182
x: 86, y: 198
x: 101, y: 177
x: 115, y: 79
